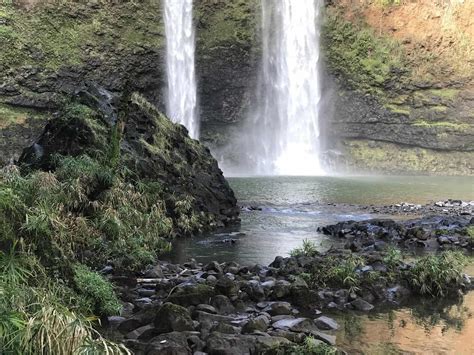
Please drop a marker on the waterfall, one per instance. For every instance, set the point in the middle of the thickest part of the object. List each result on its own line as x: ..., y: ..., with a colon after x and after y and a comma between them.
x: 181, y: 94
x: 284, y: 127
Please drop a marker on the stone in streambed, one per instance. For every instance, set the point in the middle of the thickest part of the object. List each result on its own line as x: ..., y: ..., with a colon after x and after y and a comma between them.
x: 155, y: 272
x: 171, y: 317
x: 191, y: 294
x: 328, y: 339
x: 175, y: 343
x: 361, y: 305
x: 206, y: 308
x: 259, y: 323
x: 222, y: 304
x: 227, y: 287
x: 299, y: 325
x: 213, y: 266
x: 326, y: 323
x: 278, y: 308
x: 254, y: 290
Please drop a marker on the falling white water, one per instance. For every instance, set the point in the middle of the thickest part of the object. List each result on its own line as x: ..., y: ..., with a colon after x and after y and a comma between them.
x: 180, y: 44
x: 285, y: 126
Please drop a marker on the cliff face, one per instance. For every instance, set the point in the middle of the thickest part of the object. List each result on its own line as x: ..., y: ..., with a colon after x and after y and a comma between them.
x: 403, y: 78
x: 399, y: 89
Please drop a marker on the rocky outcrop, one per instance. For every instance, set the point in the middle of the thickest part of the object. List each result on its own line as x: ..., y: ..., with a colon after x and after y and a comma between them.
x: 131, y: 132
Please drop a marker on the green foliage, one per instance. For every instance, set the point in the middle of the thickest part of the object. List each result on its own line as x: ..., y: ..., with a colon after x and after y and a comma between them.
x: 310, y: 346
x: 437, y: 275
x: 97, y: 290
x: 226, y: 23
x: 56, y: 34
x: 469, y: 231
x: 337, y: 272
x: 366, y: 59
x: 392, y: 258
x: 388, y: 2
x: 35, y: 317
x: 308, y: 248
x: 84, y: 206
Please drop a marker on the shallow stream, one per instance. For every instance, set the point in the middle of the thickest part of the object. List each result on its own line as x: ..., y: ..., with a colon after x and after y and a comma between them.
x: 280, y: 212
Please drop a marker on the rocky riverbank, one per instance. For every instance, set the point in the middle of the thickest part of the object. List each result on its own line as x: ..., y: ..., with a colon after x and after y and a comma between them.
x: 428, y: 233
x: 228, y: 308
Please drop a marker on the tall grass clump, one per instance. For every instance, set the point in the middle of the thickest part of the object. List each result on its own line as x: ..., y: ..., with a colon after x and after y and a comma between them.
x: 85, y: 206
x: 37, y: 314
x: 309, y: 248
x: 437, y: 275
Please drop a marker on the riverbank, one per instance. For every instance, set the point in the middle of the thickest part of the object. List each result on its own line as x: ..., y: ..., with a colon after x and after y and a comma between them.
x: 227, y: 308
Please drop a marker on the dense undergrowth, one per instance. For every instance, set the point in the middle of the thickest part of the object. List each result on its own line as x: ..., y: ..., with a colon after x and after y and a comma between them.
x: 43, y: 315
x: 62, y: 216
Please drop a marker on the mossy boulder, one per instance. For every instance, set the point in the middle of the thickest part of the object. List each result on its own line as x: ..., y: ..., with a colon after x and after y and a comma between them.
x: 191, y: 295
x: 130, y: 132
x: 172, y: 317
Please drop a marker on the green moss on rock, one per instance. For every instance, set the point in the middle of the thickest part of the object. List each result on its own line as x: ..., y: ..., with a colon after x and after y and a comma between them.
x: 366, y: 60
x: 69, y: 33
x: 370, y: 156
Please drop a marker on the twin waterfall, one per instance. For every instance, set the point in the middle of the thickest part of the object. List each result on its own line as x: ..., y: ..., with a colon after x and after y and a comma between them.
x: 285, y: 123
x: 180, y: 44
x: 281, y: 136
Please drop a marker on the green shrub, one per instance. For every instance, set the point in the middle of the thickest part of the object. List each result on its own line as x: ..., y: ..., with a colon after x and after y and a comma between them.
x: 97, y: 290
x: 363, y: 57
x: 310, y: 346
x: 84, y: 205
x: 337, y: 272
x: 437, y: 275
x: 308, y: 248
x: 36, y: 315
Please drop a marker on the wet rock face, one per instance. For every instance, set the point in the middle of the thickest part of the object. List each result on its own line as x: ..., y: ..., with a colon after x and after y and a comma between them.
x: 151, y: 146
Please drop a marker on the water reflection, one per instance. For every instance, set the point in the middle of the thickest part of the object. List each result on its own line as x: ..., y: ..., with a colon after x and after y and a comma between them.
x: 425, y: 327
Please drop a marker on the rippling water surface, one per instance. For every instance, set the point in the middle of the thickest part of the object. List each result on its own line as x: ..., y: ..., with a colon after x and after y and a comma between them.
x: 292, y: 208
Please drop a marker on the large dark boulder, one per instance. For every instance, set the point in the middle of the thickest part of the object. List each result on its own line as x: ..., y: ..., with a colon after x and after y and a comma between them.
x: 147, y: 143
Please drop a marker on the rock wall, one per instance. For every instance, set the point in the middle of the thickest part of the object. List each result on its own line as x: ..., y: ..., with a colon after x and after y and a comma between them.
x: 398, y: 88
x: 403, y: 87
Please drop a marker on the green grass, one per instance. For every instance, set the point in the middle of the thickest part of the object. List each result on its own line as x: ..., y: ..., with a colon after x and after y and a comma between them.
x: 10, y: 115
x: 309, y: 248
x: 37, y: 313
x: 437, y: 275
x: 97, y: 290
x: 399, y: 109
x: 336, y: 272
x: 448, y: 94
x: 310, y: 346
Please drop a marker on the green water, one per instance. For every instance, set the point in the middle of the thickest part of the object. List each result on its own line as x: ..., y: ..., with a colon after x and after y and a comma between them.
x: 377, y: 190
x: 292, y: 208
